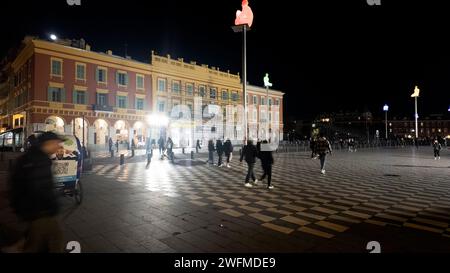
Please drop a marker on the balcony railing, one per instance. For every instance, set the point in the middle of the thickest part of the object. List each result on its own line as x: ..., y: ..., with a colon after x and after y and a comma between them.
x: 102, y: 108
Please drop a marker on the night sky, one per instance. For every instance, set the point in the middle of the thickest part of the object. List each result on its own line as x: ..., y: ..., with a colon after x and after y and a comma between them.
x: 325, y: 55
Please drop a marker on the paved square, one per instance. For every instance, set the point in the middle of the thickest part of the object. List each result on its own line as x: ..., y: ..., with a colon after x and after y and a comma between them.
x: 399, y: 197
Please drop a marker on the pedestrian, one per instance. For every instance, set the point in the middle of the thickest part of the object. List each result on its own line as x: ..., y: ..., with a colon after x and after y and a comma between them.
x: 210, y: 152
x: 161, y: 146
x: 133, y: 147
x: 33, y: 196
x: 169, y: 147
x: 197, y: 146
x: 267, y: 161
x: 117, y: 146
x: 341, y: 142
x: 111, y: 144
x: 437, y: 149
x: 312, y: 146
x: 323, y: 147
x: 219, y: 149
x: 149, y: 151
x: 249, y: 152
x: 228, y: 150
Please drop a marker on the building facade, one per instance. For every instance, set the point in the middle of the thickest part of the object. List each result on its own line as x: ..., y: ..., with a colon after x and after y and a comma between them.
x: 65, y: 87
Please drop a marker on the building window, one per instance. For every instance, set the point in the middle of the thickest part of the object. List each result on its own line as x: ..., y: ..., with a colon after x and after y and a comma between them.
x: 139, y: 82
x: 225, y: 95
x: 176, y: 87
x: 101, y: 75
x: 270, y: 102
x: 140, y: 104
x: 79, y: 97
x: 262, y: 101
x: 161, y: 106
x: 201, y: 91
x: 56, y: 67
x: 122, y: 78
x: 189, y: 89
x: 122, y: 101
x: 212, y: 93
x: 102, y: 99
x: 277, y: 102
x: 56, y: 94
x: 162, y: 85
x: 234, y: 96
x: 81, y: 72
x: 255, y: 100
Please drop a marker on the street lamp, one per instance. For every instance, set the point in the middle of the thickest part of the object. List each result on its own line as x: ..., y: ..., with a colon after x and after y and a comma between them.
x: 53, y: 37
x: 243, y: 22
x: 415, y: 95
x: 386, y: 109
x: 267, y: 84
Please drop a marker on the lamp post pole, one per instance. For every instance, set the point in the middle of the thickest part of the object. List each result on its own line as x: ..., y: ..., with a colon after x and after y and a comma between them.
x: 386, y: 109
x: 416, y: 117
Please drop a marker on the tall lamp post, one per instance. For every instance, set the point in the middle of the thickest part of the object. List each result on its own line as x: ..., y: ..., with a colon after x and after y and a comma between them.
x: 386, y: 109
x: 267, y: 84
x: 243, y: 22
x: 415, y: 95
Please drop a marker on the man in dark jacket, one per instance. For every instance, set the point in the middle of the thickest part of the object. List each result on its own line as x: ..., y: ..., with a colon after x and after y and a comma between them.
x: 33, y: 197
x: 219, y: 149
x: 249, y: 153
x: 267, y: 161
x: 437, y: 149
x: 161, y: 146
x: 323, y: 147
x: 228, y: 150
x: 211, y: 150
x: 197, y: 146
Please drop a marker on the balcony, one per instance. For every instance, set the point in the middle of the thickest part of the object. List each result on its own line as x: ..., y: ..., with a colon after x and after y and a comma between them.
x: 102, y: 108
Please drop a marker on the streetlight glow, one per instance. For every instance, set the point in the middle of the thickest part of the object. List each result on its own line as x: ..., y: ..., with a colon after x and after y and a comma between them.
x: 385, y: 108
x: 157, y: 120
x: 53, y: 37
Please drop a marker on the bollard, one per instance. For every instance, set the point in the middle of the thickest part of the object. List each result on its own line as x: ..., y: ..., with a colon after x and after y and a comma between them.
x: 240, y: 152
x: 192, y: 154
x: 132, y: 152
x: 122, y: 159
x: 182, y: 150
x: 112, y: 153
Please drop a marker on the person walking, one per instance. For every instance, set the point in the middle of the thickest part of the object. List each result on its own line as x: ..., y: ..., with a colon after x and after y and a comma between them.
x: 211, y: 150
x: 111, y: 144
x: 437, y: 149
x: 117, y: 146
x: 312, y: 146
x: 197, y: 146
x: 161, y: 146
x: 228, y: 150
x: 219, y: 149
x: 249, y: 152
x: 267, y: 161
x: 169, y: 147
x: 149, y: 151
x: 133, y: 147
x: 323, y: 147
x: 33, y: 196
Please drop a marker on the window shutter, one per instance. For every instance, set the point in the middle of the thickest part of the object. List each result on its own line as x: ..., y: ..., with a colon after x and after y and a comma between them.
x: 117, y: 77
x: 63, y: 95
x: 49, y: 94
x: 97, y: 76
x: 74, y: 96
x: 117, y: 101
x: 126, y: 79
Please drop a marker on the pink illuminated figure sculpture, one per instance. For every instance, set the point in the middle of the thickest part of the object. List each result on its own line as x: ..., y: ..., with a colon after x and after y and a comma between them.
x: 244, y: 17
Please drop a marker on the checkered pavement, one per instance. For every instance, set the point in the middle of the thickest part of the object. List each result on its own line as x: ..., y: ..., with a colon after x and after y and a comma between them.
x: 401, y: 188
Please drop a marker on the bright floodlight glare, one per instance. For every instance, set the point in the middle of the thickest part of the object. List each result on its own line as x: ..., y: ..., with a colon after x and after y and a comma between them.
x: 385, y: 108
x: 53, y: 37
x: 157, y: 120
